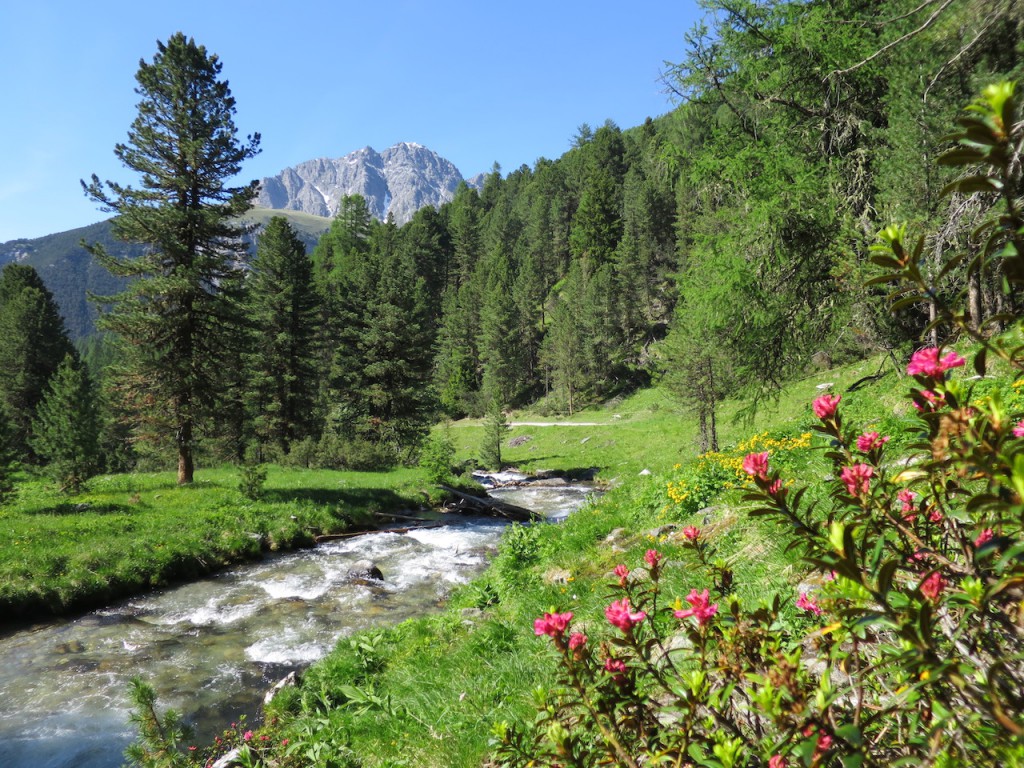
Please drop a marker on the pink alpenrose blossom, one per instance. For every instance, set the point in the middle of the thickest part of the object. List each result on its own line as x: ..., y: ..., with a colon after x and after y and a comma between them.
x: 906, y: 499
x: 617, y: 669
x: 756, y: 465
x: 577, y: 640
x: 553, y: 624
x: 653, y: 558
x: 926, y: 362
x: 1018, y: 429
x: 700, y: 607
x: 857, y: 479
x: 777, y: 761
x: 619, y: 615
x: 808, y: 604
x: 983, y: 538
x: 825, y: 407
x: 935, y: 401
x: 691, y: 533
x: 869, y: 441
x: 932, y: 586
x: 623, y: 573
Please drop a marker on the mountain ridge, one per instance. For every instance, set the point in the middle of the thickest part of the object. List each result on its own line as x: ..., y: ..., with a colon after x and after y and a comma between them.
x: 397, y: 181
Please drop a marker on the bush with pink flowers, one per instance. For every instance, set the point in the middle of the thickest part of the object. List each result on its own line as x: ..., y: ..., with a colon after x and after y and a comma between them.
x: 904, y: 644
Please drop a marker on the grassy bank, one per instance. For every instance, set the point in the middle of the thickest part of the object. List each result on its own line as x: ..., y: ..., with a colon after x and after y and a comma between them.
x: 432, y: 691
x: 129, y: 533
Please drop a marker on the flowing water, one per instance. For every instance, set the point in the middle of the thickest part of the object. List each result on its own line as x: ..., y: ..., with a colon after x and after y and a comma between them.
x: 211, y: 648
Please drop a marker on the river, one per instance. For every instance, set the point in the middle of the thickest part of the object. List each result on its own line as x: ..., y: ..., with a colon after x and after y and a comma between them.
x: 211, y: 648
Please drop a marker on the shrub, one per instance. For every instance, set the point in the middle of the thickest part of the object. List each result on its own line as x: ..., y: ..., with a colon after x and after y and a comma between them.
x: 904, y: 645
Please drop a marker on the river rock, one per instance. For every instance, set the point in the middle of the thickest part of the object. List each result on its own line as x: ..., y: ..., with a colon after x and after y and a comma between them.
x: 230, y: 759
x: 617, y: 540
x: 288, y: 681
x: 519, y: 440
x: 549, y: 482
x: 559, y: 576
x: 365, y: 570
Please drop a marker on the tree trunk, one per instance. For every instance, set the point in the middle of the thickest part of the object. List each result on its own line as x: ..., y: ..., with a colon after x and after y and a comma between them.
x: 974, y: 308
x: 185, y: 466
x: 713, y: 401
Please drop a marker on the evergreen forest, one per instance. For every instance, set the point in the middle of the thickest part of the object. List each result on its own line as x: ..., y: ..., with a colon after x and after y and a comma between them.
x: 718, y: 249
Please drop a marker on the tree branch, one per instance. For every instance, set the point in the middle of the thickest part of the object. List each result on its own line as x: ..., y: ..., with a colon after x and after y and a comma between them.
x: 888, y: 47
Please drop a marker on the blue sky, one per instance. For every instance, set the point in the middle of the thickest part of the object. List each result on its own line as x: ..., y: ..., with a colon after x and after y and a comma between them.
x: 478, y: 82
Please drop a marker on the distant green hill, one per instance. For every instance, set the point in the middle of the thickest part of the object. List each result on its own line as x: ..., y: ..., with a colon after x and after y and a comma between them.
x: 70, y: 272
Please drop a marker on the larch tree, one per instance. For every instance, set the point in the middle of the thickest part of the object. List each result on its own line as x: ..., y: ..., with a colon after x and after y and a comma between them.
x: 181, y: 305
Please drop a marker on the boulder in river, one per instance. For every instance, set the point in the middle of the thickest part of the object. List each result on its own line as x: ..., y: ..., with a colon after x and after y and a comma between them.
x: 365, y: 570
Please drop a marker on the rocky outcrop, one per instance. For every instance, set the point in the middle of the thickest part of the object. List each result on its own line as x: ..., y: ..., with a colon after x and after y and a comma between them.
x: 398, y: 181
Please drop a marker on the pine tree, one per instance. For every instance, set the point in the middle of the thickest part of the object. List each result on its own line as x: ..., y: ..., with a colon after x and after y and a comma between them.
x: 282, y: 362
x: 380, y: 373
x: 495, y: 429
x: 65, y: 433
x: 178, y: 314
x: 33, y: 343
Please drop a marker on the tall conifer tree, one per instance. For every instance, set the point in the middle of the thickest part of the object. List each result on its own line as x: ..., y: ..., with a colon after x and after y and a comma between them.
x: 283, y: 311
x: 65, y: 433
x: 176, y: 315
x: 33, y: 343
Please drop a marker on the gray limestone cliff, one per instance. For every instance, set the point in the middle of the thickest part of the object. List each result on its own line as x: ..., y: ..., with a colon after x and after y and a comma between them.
x: 400, y: 180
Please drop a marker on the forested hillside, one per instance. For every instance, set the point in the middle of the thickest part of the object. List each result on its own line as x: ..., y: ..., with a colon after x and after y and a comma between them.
x: 720, y: 247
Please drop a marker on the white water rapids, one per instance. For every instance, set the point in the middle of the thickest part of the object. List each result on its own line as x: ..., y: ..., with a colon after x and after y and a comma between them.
x: 211, y: 648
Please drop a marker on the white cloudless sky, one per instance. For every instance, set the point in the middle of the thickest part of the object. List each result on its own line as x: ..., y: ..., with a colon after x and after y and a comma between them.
x: 477, y: 82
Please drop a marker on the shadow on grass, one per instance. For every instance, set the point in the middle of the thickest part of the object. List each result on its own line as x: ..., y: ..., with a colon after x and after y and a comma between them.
x: 356, y: 499
x: 83, y: 508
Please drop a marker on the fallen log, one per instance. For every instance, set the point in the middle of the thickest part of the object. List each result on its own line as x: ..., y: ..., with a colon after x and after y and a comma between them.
x: 477, y: 505
x: 352, y: 534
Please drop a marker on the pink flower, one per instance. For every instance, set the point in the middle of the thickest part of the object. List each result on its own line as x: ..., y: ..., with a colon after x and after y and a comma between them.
x: 285, y: 742
x: 857, y: 479
x: 756, y: 465
x: 906, y: 499
x: 1018, y: 430
x: 935, y: 401
x: 983, y: 538
x: 617, y: 669
x: 622, y: 572
x: 777, y: 761
x: 619, y: 615
x: 614, y: 666
x: 932, y: 586
x: 653, y: 558
x: 869, y: 441
x: 552, y: 624
x: 247, y: 736
x: 691, y: 533
x: 577, y: 640
x: 699, y: 607
x: 935, y: 516
x: 807, y: 604
x: 926, y: 362
x: 825, y: 407
x: 774, y: 487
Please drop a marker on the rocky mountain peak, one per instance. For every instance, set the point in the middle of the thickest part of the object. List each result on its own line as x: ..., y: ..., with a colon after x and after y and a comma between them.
x: 398, y: 181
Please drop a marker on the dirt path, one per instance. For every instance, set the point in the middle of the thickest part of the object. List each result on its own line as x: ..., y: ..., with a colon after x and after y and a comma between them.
x: 560, y: 424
